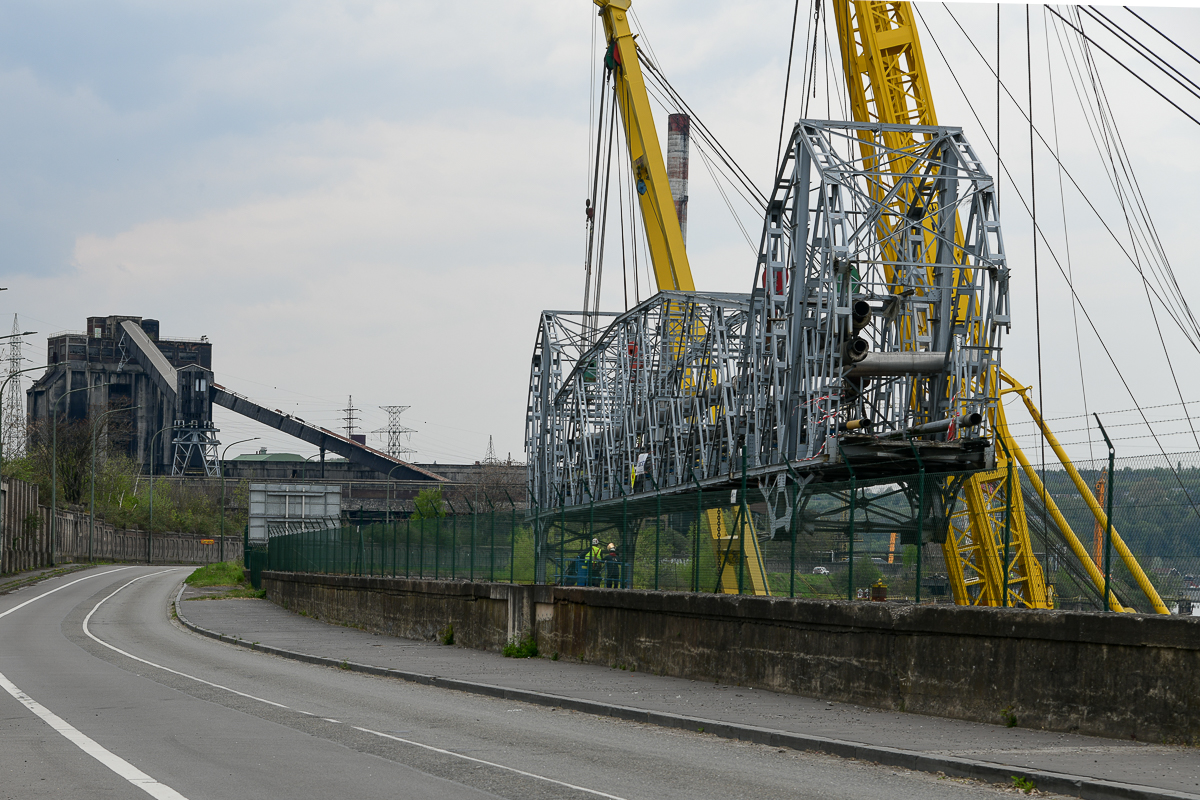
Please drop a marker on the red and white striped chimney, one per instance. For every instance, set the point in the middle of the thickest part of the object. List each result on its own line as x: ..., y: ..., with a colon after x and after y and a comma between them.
x: 678, y: 132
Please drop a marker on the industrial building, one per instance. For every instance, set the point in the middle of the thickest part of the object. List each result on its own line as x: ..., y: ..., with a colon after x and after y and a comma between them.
x: 121, y: 361
x: 167, y: 384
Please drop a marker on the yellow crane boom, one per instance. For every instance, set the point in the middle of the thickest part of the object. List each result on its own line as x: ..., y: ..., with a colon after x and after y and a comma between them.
x: 664, y: 239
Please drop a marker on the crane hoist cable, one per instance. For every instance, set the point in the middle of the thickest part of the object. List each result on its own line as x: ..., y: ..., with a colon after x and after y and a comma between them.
x: 1070, y: 284
x: 1193, y: 333
x: 1125, y: 67
x: 1062, y: 205
x: 787, y: 81
x: 1189, y: 86
x: 1163, y: 35
x: 1118, y: 164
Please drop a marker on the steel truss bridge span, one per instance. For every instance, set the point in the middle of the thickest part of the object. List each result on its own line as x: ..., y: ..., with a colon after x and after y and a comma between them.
x: 871, y: 315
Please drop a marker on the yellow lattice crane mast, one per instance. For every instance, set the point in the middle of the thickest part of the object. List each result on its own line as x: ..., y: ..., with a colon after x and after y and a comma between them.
x: 664, y: 239
x: 887, y: 83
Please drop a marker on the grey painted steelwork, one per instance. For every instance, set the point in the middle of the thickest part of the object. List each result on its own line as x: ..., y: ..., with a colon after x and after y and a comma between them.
x: 865, y: 317
x: 320, y: 437
x: 276, y: 509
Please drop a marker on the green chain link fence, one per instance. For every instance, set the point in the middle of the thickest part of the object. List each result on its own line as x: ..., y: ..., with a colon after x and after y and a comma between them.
x: 823, y: 540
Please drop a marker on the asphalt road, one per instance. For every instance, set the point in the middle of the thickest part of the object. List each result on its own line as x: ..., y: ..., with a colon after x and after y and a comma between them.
x: 102, y: 695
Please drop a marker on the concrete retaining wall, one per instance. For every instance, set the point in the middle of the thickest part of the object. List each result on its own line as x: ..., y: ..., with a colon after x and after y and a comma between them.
x: 1126, y: 676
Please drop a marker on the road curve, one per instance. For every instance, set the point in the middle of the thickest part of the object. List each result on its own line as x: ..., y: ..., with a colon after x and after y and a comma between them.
x: 103, y: 695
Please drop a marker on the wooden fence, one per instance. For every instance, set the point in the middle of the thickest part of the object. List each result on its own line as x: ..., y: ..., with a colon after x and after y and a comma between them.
x: 25, y: 541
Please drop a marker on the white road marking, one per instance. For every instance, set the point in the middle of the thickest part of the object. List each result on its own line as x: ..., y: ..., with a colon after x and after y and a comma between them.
x: 120, y: 766
x: 490, y: 764
x: 60, y: 588
x: 356, y: 727
x: 93, y: 637
x: 114, y: 762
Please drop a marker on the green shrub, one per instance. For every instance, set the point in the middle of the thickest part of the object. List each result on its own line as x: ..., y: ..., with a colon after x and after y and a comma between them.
x: 525, y: 648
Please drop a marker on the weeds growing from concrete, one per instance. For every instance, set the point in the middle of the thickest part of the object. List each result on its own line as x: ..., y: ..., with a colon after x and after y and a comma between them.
x: 525, y: 648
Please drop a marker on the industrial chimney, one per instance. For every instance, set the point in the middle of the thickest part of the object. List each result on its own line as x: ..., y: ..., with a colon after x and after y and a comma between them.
x: 678, y: 131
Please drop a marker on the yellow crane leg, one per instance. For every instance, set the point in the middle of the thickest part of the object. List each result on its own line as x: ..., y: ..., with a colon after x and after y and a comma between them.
x: 975, y: 552
x: 1072, y: 540
x: 1127, y: 557
x: 970, y: 558
x: 730, y: 547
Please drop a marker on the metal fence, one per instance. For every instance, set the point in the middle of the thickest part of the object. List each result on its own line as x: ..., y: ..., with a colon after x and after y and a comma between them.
x: 490, y: 546
x: 1156, y: 512
x: 827, y: 540
x: 821, y: 540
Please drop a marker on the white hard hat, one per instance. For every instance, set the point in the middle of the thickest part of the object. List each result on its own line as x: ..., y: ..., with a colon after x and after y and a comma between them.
x: 595, y: 541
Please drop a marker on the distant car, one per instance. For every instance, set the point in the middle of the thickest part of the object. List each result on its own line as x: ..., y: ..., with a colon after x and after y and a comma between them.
x: 820, y: 571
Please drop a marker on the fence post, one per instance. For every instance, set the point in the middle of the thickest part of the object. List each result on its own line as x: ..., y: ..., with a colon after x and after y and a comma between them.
x: 471, y: 550
x: 657, y: 529
x: 1007, y: 516
x: 407, y: 545
x: 512, y: 547
x: 492, y: 568
x: 453, y: 541
x: 853, y: 508
x: 696, y: 543
x: 792, y: 530
x: 744, y: 514
x: 1112, y: 457
x: 921, y: 521
x: 562, y: 538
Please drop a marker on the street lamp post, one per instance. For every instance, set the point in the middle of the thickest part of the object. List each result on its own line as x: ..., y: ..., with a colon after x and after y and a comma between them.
x: 92, y: 502
x: 54, y: 466
x: 4, y: 386
x: 150, y: 527
x: 388, y: 515
x: 304, y: 471
x: 221, y: 552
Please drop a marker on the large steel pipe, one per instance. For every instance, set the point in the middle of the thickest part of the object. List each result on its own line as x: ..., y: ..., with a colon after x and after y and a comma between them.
x: 967, y: 420
x: 875, y: 365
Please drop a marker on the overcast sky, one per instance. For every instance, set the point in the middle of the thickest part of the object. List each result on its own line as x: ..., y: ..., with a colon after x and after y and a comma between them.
x: 376, y: 199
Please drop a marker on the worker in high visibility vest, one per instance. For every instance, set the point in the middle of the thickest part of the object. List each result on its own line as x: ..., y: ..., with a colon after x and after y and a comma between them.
x: 595, y: 563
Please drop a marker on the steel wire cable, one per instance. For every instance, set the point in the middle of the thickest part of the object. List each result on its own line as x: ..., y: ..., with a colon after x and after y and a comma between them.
x: 1192, y: 335
x: 1125, y: 66
x: 1144, y: 235
x: 1037, y: 297
x: 1058, y: 263
x: 703, y: 132
x: 656, y: 94
x: 1110, y: 133
x: 1066, y: 234
x: 1163, y: 35
x: 1166, y: 283
x: 1142, y: 50
x: 786, y: 84
x: 810, y: 62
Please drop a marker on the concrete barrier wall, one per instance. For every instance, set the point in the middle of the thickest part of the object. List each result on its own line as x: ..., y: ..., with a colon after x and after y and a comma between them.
x: 1125, y: 676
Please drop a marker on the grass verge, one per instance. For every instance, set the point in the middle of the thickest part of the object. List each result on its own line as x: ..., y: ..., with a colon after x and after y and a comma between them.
x: 223, y: 573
